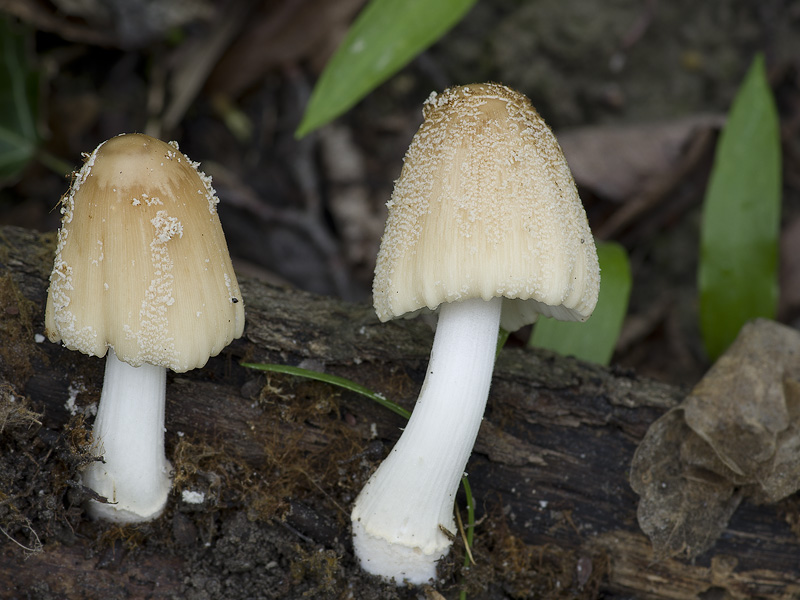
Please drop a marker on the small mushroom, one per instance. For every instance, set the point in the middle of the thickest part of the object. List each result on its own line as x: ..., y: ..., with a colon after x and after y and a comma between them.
x: 485, y: 225
x: 142, y: 273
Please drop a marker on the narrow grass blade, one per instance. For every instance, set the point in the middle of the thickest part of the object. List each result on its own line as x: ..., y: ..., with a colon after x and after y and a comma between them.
x: 470, y: 516
x: 333, y: 380
x: 470, y: 530
x: 595, y: 339
x: 738, y: 271
x: 385, y: 36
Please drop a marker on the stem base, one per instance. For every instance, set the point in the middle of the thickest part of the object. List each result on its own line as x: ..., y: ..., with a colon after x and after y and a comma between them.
x: 129, y: 434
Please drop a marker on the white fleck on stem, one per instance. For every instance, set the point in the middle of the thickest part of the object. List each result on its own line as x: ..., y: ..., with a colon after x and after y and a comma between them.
x: 399, y: 515
x: 129, y: 435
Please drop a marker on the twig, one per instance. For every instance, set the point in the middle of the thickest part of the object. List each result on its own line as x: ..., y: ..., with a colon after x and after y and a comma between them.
x: 37, y: 547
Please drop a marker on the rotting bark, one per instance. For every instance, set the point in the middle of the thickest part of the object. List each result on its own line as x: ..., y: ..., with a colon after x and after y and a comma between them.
x: 279, y: 461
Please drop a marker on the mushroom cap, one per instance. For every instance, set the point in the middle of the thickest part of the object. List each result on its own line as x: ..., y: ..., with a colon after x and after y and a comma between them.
x: 141, y: 263
x: 486, y: 206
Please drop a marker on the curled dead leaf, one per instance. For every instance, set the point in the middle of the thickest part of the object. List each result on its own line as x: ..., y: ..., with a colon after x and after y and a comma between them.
x: 737, y: 435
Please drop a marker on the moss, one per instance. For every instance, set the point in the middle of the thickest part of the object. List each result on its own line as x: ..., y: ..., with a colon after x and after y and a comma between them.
x: 320, y: 567
x: 15, y: 411
x: 546, y: 571
x: 308, y: 446
x: 16, y: 331
x: 80, y: 442
x: 38, y: 472
x: 127, y: 537
x: 223, y: 477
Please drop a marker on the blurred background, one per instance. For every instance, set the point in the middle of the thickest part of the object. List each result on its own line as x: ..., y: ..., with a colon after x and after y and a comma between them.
x: 636, y: 91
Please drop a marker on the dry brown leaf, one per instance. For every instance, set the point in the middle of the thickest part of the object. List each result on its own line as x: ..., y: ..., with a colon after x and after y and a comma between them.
x: 680, y: 514
x: 616, y: 161
x: 739, y: 407
x: 281, y: 33
x: 739, y: 428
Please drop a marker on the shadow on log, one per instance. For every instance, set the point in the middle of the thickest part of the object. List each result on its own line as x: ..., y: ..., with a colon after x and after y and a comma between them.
x: 266, y: 468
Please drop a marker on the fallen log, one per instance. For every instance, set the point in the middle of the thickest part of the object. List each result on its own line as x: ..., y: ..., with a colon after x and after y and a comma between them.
x: 267, y: 466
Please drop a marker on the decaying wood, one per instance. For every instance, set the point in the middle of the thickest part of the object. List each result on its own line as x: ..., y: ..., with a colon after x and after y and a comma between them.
x: 549, y: 473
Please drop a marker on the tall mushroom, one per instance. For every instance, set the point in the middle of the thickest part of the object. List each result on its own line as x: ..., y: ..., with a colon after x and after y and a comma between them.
x: 142, y: 272
x: 485, y: 225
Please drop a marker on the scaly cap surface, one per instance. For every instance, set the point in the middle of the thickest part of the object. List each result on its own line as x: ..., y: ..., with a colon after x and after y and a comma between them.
x: 141, y: 263
x: 486, y: 206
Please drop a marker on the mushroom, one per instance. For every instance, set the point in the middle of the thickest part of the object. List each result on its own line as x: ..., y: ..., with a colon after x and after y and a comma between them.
x: 142, y: 274
x: 485, y: 225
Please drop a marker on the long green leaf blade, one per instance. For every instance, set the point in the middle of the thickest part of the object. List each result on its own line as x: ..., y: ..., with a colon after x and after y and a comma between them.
x: 18, y: 97
x: 738, y: 272
x: 384, y: 38
x: 595, y: 339
x: 341, y: 382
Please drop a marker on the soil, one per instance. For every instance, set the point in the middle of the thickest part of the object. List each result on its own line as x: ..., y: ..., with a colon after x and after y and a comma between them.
x: 309, y: 213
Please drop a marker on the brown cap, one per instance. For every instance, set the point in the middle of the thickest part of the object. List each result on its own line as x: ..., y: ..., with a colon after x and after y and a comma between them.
x: 141, y: 264
x: 486, y: 206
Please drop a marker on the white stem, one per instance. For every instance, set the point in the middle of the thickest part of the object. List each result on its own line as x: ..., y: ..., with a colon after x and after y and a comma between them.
x: 399, y: 515
x: 129, y: 435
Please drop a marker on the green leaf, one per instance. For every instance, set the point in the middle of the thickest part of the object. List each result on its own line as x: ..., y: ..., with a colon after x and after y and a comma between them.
x: 593, y: 340
x: 18, y: 99
x: 502, y: 338
x: 738, y: 272
x: 384, y: 38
